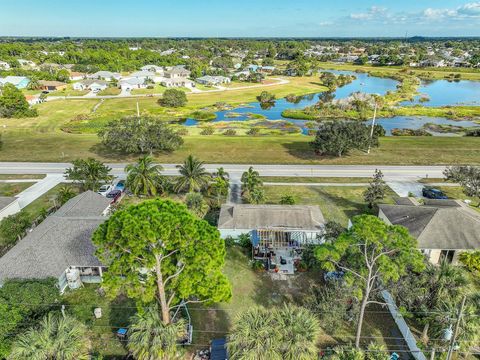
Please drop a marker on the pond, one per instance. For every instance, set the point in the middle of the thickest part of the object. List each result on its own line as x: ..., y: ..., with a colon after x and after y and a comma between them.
x: 448, y: 93
x: 441, y: 92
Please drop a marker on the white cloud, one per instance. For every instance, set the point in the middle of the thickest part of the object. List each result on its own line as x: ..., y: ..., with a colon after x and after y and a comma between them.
x: 372, y: 13
x: 470, y: 9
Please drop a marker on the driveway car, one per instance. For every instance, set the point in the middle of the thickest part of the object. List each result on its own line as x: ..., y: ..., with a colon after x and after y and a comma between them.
x: 105, y: 189
x: 114, y: 195
x: 431, y: 193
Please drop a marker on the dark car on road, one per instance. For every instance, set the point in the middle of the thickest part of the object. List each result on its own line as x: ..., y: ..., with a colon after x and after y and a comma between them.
x: 114, y: 195
x: 431, y: 193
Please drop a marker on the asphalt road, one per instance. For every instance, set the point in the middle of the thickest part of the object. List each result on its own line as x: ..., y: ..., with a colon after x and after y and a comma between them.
x: 399, y: 173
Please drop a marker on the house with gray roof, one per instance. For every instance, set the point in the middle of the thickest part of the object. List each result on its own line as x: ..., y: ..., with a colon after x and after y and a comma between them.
x: 90, y: 84
x: 443, y: 228
x: 105, y: 75
x: 278, y: 233
x: 60, y: 245
x: 212, y: 80
x: 153, y: 68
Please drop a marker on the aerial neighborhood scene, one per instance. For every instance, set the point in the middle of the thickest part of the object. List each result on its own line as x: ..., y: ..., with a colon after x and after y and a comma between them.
x: 264, y: 180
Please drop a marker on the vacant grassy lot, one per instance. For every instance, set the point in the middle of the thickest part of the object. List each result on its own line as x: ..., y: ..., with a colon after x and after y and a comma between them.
x: 21, y: 176
x: 338, y: 203
x: 299, y: 179
x: 288, y: 149
x: 251, y: 288
x: 12, y: 189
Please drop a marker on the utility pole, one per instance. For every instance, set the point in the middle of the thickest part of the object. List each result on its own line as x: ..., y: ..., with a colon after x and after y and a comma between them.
x: 457, y: 325
x: 373, y: 126
x: 138, y: 110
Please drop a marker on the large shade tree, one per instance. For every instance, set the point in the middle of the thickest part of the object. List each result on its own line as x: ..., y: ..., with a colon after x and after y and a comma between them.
x: 370, y: 252
x: 159, y: 251
x: 193, y: 176
x: 286, y: 333
x: 150, y: 339
x: 56, y: 338
x: 144, y: 177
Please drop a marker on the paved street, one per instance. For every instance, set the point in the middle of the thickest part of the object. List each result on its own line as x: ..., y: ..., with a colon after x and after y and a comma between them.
x: 391, y: 173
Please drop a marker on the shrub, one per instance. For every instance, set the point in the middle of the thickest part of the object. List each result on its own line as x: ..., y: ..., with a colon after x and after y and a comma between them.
x: 254, y: 131
x: 287, y: 200
x: 473, y: 132
x: 203, y: 115
x: 471, y: 260
x: 258, y: 265
x: 230, y: 132
x: 182, y: 131
x: 173, y: 98
x: 209, y: 130
x: 14, y: 226
x: 245, y: 241
x: 229, y: 241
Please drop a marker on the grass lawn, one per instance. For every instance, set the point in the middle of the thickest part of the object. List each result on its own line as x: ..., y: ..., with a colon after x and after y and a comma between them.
x: 21, y: 176
x: 57, y: 146
x: 299, y: 179
x: 157, y: 89
x: 12, y: 189
x: 109, y: 91
x: 456, y: 192
x: 338, y: 203
x: 68, y: 91
x: 115, y: 314
x: 251, y: 288
x: 46, y: 201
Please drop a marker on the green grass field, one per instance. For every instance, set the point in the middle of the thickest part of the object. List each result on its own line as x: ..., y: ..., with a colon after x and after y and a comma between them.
x: 338, y: 203
x: 299, y: 179
x: 21, y: 176
x: 12, y: 189
x: 288, y: 149
x: 46, y: 201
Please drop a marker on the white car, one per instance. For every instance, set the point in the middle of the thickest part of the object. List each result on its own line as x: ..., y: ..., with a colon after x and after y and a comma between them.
x: 105, y: 189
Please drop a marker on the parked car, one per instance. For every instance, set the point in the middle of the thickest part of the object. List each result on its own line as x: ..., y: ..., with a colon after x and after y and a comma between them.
x: 114, y: 195
x: 120, y: 185
x: 105, y: 189
x: 431, y: 193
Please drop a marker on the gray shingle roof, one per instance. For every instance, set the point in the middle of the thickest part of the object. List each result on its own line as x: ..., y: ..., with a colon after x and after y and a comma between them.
x: 6, y: 200
x: 61, y: 240
x: 440, y: 225
x: 250, y: 217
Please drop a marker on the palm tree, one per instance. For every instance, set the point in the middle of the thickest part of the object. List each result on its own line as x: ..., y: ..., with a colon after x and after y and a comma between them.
x: 222, y: 174
x: 288, y: 333
x: 144, y: 177
x: 55, y: 338
x: 150, y: 339
x: 250, y: 179
x: 257, y: 196
x: 64, y: 194
x: 193, y: 176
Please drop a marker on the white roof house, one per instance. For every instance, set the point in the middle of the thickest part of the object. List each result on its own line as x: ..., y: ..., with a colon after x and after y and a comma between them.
x: 212, y: 80
x: 131, y: 83
x: 90, y: 84
x: 4, y: 65
x: 105, y: 75
x: 152, y: 68
x: 19, y: 82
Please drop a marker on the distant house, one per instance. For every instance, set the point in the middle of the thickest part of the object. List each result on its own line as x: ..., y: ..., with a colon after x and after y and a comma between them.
x: 4, y: 65
x: 33, y: 99
x: 90, y: 84
x: 48, y: 85
x: 267, y: 69
x: 153, y: 68
x: 75, y: 76
x: 8, y: 206
x: 242, y: 74
x: 20, y: 82
x: 443, y: 228
x: 213, y: 80
x: 253, y: 68
x: 105, y: 75
x: 278, y: 233
x: 177, y: 72
x: 131, y: 83
x: 143, y: 75
x: 61, y: 245
x: 177, y: 82
x: 26, y: 63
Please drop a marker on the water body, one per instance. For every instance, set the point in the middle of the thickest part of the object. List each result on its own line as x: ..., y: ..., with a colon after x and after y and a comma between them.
x: 448, y: 93
x: 441, y: 93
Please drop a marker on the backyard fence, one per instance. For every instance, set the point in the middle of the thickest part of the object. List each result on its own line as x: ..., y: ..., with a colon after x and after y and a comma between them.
x: 403, y: 327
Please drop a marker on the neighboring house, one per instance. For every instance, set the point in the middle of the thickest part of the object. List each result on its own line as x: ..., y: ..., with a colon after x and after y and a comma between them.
x: 33, y: 99
x: 142, y: 75
x: 443, y: 228
x: 242, y: 74
x: 90, y: 84
x: 131, y: 83
x: 153, y: 68
x: 20, y: 82
x: 8, y: 206
x: 75, y: 76
x: 177, y: 82
x: 267, y: 69
x: 278, y: 232
x: 105, y: 75
x: 4, y: 65
x: 212, y: 80
x: 60, y: 245
x: 177, y: 72
x: 48, y: 85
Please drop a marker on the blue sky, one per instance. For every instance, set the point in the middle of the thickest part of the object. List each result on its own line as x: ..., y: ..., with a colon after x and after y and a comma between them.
x: 227, y: 18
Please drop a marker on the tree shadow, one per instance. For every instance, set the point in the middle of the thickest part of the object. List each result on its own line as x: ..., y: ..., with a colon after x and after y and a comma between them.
x: 300, y: 149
